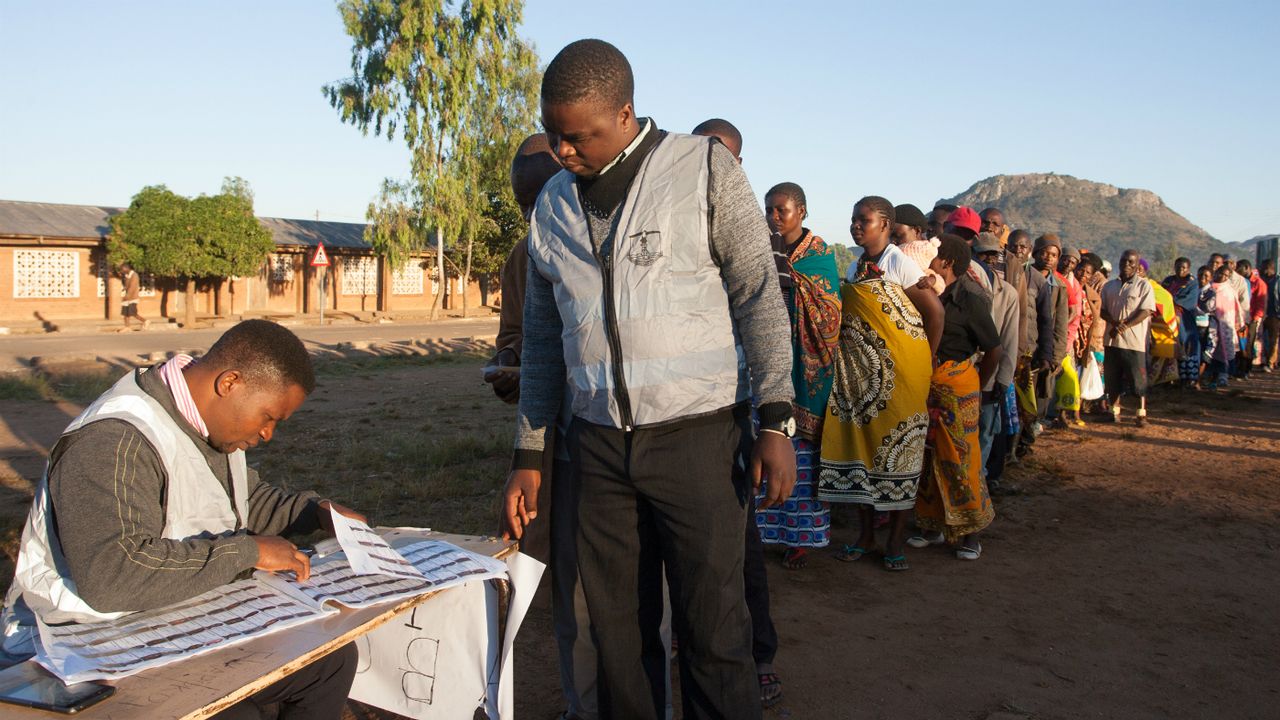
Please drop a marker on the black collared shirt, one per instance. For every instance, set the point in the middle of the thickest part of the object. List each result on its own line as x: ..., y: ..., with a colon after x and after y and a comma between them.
x: 968, y: 326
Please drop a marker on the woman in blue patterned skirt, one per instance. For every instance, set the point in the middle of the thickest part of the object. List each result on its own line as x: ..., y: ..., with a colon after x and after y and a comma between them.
x: 813, y: 301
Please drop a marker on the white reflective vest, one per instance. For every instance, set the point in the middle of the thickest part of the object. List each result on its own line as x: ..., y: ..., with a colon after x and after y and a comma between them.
x: 648, y: 335
x: 196, y: 505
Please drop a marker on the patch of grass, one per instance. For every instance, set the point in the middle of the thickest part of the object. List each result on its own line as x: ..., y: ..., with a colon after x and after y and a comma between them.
x: 450, y: 482
x: 82, y: 387
x: 79, y: 386
x: 24, y: 387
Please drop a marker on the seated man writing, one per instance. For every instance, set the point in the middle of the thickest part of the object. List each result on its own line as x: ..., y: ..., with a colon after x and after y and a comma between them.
x: 147, y: 501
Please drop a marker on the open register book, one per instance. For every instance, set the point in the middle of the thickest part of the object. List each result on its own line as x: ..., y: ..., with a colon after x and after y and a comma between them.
x: 262, y: 604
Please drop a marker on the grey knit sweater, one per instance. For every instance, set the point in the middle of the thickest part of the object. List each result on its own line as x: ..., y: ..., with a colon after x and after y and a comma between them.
x: 108, y: 488
x: 740, y: 243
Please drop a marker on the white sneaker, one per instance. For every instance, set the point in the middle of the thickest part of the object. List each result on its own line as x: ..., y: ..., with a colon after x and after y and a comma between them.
x: 925, y: 540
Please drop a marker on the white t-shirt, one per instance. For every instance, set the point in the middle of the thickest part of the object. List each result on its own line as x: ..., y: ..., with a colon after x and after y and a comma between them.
x: 897, y: 267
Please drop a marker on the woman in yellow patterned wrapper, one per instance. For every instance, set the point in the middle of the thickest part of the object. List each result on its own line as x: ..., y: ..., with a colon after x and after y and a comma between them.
x: 873, y: 436
x: 953, y: 504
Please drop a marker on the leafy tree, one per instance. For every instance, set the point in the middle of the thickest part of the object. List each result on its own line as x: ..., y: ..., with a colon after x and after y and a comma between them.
x: 233, y: 239
x: 168, y: 235
x: 155, y: 235
x: 453, y: 85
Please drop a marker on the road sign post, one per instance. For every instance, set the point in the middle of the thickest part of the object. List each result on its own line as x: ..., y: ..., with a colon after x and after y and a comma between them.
x: 320, y: 260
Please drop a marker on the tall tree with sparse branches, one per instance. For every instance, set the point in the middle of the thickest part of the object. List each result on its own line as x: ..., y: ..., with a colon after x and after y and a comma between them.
x: 454, y: 81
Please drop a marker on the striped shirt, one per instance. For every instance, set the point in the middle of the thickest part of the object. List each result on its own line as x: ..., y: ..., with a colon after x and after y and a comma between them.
x: 171, y: 373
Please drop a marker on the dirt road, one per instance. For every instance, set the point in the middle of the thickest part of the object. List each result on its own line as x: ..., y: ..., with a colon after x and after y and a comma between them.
x: 17, y: 350
x: 1136, y: 575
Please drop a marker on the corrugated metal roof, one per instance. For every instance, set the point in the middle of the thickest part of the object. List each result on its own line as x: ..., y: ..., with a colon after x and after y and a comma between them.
x: 54, y: 220
x: 311, y: 232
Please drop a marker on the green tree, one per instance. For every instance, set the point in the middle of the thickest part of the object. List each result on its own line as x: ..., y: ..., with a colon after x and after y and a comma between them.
x: 235, y: 243
x: 156, y: 235
x: 212, y: 236
x: 453, y: 85
x: 844, y: 257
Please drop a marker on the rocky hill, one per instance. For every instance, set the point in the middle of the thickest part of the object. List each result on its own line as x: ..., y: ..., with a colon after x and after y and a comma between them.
x: 1103, y: 218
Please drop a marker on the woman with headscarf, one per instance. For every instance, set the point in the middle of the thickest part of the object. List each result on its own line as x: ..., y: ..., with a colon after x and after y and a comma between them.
x: 954, y: 505
x: 802, y: 521
x: 1067, y: 384
x: 874, y: 435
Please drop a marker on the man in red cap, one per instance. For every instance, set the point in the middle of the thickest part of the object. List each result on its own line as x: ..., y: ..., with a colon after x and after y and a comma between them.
x: 964, y: 221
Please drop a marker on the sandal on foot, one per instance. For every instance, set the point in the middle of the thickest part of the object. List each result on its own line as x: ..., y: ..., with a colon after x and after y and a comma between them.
x: 795, y: 558
x: 850, y: 553
x: 770, y: 688
x: 896, y: 564
x: 968, y: 553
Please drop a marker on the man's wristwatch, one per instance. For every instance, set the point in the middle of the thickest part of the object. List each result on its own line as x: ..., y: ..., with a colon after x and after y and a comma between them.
x: 786, y: 428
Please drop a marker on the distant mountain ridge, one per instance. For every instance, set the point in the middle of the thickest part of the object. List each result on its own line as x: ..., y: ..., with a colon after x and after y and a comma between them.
x: 1103, y: 218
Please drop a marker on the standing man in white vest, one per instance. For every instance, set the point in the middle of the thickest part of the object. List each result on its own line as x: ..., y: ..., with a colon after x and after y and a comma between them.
x: 653, y: 294
x: 147, y: 501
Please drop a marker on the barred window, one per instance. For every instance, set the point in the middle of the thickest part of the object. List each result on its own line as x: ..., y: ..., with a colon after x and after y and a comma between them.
x: 46, y: 274
x: 359, y: 275
x: 281, y: 269
x: 407, y: 279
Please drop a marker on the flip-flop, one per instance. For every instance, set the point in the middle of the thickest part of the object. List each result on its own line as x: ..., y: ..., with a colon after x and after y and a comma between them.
x: 770, y: 689
x: 896, y: 564
x: 850, y: 553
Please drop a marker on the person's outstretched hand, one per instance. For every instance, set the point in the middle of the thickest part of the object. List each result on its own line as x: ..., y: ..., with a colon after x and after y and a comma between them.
x: 275, y: 554
x: 773, y: 457
x: 520, y: 501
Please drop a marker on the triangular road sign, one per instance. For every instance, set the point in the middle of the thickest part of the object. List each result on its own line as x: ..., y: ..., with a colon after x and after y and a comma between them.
x: 321, y: 258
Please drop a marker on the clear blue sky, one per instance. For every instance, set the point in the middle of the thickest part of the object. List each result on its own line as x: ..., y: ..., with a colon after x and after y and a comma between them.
x: 914, y: 101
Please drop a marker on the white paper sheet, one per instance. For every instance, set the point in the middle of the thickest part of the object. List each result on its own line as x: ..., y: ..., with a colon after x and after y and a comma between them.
x: 439, y: 565
x: 245, y: 609
x: 524, y: 572
x: 457, y: 632
x: 219, y: 618
x: 435, y: 661
x: 366, y: 551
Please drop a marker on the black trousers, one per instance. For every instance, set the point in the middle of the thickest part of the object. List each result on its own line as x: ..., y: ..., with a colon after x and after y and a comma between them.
x: 764, y: 638
x: 316, y: 692
x: 674, y: 496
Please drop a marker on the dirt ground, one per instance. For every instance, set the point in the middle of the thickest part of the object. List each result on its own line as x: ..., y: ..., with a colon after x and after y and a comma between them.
x: 1135, y: 576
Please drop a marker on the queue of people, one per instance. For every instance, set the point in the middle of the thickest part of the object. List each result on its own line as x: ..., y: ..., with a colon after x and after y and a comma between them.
x: 710, y: 384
